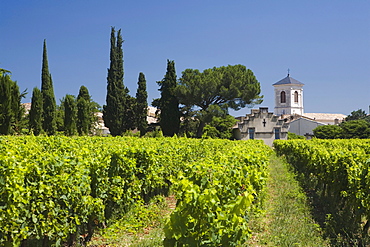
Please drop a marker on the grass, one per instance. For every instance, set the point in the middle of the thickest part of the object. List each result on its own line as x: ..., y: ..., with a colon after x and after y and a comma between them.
x: 287, y: 220
x: 142, y: 226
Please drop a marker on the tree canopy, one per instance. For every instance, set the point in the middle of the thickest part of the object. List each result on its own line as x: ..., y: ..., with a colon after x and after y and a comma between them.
x: 70, y: 114
x: 168, y: 104
x: 356, y: 129
x: 232, y: 86
x: 11, y: 110
x: 328, y: 132
x: 356, y: 125
x: 47, y: 90
x: 35, y: 114
x: 141, y: 112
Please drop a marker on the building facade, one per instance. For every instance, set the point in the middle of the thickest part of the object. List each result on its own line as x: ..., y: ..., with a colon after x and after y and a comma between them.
x: 262, y: 125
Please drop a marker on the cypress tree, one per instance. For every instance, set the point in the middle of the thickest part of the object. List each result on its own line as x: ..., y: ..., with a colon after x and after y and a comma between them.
x: 17, y: 108
x: 113, y: 107
x: 168, y: 103
x: 84, y: 93
x: 6, y: 111
x: 70, y: 113
x: 141, y: 105
x: 84, y: 111
x: 48, y: 98
x: 35, y: 114
x: 118, y: 113
x: 128, y: 102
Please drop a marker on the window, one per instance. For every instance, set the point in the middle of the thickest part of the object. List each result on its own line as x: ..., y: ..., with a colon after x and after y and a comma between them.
x: 251, y: 133
x: 277, y: 133
x: 295, y: 97
x: 282, y: 97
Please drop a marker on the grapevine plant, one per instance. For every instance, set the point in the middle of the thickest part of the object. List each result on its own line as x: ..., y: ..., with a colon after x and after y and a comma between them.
x: 55, y: 191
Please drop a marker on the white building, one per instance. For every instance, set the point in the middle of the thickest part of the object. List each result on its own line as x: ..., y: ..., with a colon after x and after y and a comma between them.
x: 288, y: 96
x: 288, y: 115
x: 289, y: 106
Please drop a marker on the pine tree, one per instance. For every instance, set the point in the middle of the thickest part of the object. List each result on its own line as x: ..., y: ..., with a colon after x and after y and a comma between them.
x: 48, y: 98
x: 35, y: 114
x: 141, y: 105
x: 70, y: 114
x: 84, y: 111
x: 6, y: 111
x: 118, y: 112
x: 168, y: 103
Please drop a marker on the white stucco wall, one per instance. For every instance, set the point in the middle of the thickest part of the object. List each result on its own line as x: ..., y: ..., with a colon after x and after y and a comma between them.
x: 303, y: 126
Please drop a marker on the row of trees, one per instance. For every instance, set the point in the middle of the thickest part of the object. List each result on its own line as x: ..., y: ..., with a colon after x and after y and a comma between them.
x: 197, y: 102
x: 190, y: 105
x: 356, y: 125
x: 72, y: 116
x: 45, y: 117
x: 123, y: 112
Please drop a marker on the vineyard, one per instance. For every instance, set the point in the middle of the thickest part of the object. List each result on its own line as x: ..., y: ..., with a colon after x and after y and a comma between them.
x: 53, y: 190
x: 336, y: 175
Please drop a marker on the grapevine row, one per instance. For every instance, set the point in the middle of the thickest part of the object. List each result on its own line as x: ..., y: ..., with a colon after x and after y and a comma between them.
x: 53, y: 190
x: 337, y: 172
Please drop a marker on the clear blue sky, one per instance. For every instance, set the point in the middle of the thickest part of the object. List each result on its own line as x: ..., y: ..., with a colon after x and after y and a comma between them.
x: 325, y: 44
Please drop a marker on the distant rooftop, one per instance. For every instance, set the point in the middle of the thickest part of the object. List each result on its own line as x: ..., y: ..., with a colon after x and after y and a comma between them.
x: 288, y: 80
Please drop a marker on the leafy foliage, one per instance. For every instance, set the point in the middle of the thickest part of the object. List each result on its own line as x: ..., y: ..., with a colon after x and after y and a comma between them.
x: 168, y: 103
x: 70, y: 115
x: 35, y: 114
x: 7, y: 113
x: 220, y: 127
x: 118, y: 113
x: 55, y: 189
x: 336, y: 171
x: 48, y: 98
x: 356, y: 129
x: 11, y: 110
x: 356, y: 115
x: 217, y: 89
x: 85, y: 111
x: 328, y: 132
x: 292, y: 136
x: 141, y: 111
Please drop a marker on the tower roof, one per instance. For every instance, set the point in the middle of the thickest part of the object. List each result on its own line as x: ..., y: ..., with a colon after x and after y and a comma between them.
x: 288, y: 80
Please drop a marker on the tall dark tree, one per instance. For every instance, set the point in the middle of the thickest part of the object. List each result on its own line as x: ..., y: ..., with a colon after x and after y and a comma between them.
x: 141, y: 105
x: 128, y: 102
x: 118, y: 112
x: 168, y: 103
x: 35, y: 114
x: 6, y: 111
x: 48, y: 97
x: 215, y: 90
x: 11, y: 109
x: 70, y: 114
x: 113, y: 108
x: 84, y: 111
x: 18, y: 110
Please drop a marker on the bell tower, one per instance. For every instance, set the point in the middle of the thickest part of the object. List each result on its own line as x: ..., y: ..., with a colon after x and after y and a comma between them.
x: 288, y: 96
